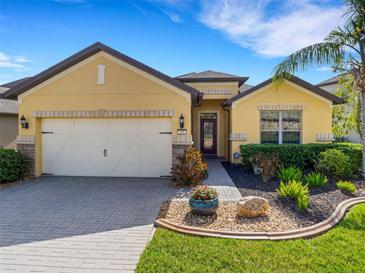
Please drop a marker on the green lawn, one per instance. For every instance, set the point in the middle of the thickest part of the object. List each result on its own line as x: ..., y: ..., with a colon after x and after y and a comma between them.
x: 342, y: 249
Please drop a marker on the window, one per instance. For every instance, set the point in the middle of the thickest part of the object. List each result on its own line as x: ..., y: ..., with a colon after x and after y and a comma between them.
x: 280, y: 127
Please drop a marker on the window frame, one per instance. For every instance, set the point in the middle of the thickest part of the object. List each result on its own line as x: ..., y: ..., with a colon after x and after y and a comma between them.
x: 280, y: 130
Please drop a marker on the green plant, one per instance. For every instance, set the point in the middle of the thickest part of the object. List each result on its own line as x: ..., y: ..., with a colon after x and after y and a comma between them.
x: 268, y: 163
x: 189, y: 170
x: 204, y: 193
x: 303, y: 156
x: 296, y: 191
x: 291, y: 173
x: 13, y: 165
x: 335, y: 163
x: 346, y: 186
x: 315, y: 179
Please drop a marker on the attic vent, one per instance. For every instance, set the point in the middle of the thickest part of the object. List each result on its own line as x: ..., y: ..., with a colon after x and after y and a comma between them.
x: 101, y: 74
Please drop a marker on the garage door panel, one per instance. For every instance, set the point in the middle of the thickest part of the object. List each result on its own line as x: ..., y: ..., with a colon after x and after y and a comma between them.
x: 89, y: 140
x: 91, y: 126
x: 134, y: 147
x: 58, y: 126
x: 124, y: 126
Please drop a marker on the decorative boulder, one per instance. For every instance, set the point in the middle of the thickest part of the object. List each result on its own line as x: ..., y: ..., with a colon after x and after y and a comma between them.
x: 252, y: 206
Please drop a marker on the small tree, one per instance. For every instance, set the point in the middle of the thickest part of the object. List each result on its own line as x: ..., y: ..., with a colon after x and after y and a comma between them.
x: 190, y: 169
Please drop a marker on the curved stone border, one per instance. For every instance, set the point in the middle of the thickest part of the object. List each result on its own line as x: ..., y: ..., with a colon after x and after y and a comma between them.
x: 306, y: 232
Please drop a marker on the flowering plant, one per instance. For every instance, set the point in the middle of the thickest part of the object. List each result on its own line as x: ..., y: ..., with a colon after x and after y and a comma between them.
x: 204, y: 193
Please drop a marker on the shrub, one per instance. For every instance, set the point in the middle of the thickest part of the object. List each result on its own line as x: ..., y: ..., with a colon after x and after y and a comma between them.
x: 268, y: 164
x: 204, y: 193
x: 291, y: 173
x: 13, y: 165
x: 315, y: 179
x: 296, y: 191
x: 335, y: 163
x: 189, y: 170
x: 302, y: 155
x: 346, y: 186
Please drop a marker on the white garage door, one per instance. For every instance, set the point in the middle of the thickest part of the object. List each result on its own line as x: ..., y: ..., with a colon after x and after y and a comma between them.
x: 137, y: 147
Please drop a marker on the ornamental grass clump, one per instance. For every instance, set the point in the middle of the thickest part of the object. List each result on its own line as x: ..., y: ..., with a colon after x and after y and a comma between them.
x: 190, y: 169
x: 346, y: 186
x: 296, y: 191
x: 204, y: 193
x: 291, y: 173
x: 316, y: 179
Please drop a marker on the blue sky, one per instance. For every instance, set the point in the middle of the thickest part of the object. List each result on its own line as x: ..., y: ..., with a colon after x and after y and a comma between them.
x: 242, y: 37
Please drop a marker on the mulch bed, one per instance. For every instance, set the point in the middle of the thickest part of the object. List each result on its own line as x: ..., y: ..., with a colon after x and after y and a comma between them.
x: 283, y: 214
x: 7, y: 185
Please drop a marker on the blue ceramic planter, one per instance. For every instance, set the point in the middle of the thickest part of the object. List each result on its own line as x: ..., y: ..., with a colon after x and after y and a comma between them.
x: 208, y: 207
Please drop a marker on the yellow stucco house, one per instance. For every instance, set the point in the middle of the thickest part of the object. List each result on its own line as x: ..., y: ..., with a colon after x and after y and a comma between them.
x: 102, y: 113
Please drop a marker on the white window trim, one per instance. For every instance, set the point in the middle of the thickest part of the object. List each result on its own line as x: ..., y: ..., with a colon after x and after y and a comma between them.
x: 280, y: 130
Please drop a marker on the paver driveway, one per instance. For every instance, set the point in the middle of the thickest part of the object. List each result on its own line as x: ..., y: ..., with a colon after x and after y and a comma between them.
x: 78, y: 224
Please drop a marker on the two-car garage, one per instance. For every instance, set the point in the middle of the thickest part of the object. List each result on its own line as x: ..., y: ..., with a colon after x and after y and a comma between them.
x: 134, y: 147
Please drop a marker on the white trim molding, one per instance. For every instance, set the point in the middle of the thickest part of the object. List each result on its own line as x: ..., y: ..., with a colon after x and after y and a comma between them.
x: 324, y: 137
x: 25, y: 139
x: 210, y: 91
x: 281, y: 107
x: 101, y: 74
x: 238, y: 136
x: 103, y: 113
x: 182, y: 139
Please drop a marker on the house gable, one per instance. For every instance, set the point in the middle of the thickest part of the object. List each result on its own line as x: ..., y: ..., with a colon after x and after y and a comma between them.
x: 85, y: 56
x: 295, y: 82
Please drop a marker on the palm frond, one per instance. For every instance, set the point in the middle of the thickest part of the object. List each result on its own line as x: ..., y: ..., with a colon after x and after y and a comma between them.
x: 321, y: 54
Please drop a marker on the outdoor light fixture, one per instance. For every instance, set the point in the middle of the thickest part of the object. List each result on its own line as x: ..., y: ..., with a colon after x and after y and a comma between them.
x: 24, y: 122
x: 181, y: 120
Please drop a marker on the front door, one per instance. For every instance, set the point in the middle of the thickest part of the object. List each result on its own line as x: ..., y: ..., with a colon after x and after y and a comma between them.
x: 208, y: 133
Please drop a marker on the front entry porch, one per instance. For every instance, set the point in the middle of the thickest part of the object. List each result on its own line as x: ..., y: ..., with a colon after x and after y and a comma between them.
x: 210, y: 128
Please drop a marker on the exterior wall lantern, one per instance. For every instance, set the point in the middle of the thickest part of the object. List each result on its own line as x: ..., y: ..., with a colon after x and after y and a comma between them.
x: 181, y: 120
x: 24, y: 122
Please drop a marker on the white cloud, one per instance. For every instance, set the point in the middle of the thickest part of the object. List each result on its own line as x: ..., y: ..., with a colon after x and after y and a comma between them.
x: 271, y: 28
x: 13, y: 62
x: 324, y: 69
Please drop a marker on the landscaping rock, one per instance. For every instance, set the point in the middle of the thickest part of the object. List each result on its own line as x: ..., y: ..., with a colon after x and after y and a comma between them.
x: 252, y: 206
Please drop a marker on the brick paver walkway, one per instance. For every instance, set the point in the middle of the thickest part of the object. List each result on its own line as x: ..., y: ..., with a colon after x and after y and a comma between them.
x: 219, y: 179
x: 78, y: 224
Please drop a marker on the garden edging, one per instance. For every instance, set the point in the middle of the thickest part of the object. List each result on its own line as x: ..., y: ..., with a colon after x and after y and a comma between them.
x: 306, y: 232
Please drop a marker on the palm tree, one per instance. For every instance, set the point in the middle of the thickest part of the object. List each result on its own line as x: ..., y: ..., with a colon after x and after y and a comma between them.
x: 343, y: 49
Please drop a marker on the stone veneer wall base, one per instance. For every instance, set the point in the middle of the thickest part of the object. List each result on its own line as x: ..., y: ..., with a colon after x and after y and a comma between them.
x: 28, y: 150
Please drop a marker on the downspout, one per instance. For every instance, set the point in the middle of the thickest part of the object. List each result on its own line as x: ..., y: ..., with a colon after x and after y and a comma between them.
x: 198, y: 103
x: 224, y: 105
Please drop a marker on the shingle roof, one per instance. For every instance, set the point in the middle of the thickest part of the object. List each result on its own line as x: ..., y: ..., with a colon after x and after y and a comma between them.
x: 244, y: 87
x: 15, y: 83
x: 330, y: 81
x: 295, y: 80
x: 210, y: 76
x: 13, y: 92
x: 8, y: 106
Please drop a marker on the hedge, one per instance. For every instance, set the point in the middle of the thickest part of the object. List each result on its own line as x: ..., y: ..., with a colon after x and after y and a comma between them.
x: 303, y: 155
x: 13, y: 165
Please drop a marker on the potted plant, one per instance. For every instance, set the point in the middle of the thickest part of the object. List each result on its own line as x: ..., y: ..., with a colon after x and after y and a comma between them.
x: 204, y: 200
